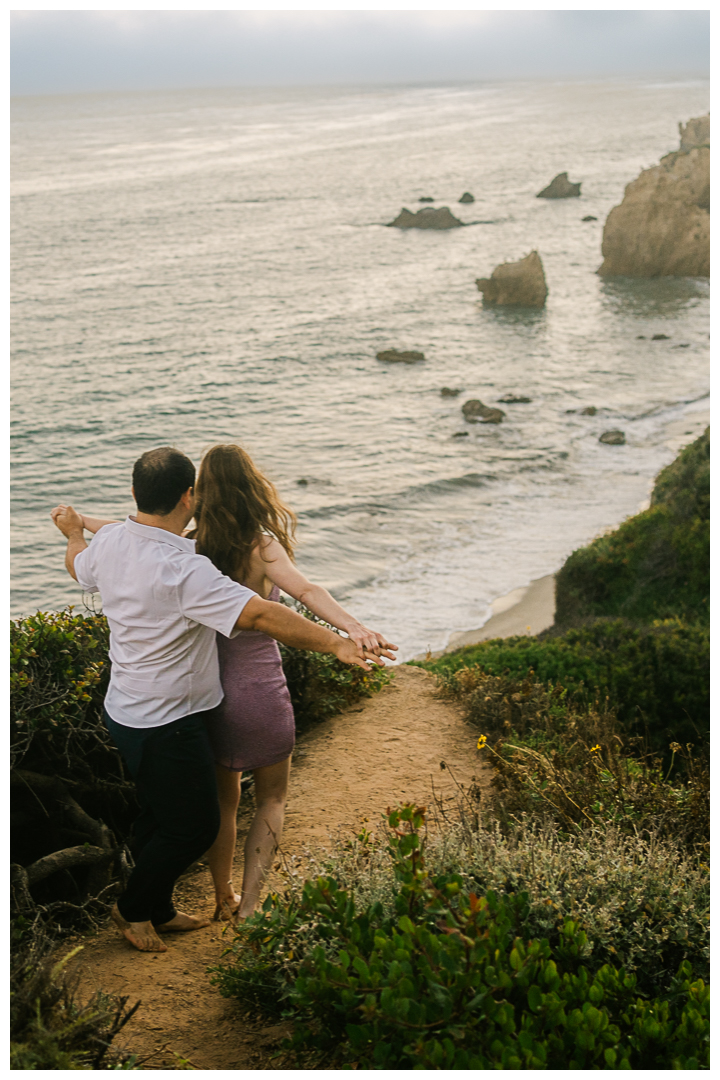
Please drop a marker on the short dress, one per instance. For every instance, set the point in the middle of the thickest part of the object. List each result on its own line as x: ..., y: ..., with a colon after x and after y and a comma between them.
x: 254, y: 725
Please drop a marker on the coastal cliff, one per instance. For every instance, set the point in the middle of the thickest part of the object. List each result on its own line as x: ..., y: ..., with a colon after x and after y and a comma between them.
x: 662, y: 226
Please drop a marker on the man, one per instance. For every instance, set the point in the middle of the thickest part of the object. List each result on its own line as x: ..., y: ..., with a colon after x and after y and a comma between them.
x: 163, y: 604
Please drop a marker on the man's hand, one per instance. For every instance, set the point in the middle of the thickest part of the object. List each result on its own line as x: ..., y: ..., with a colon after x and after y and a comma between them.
x: 70, y: 524
x: 347, y: 651
x: 290, y: 628
x: 67, y: 520
x: 369, y: 641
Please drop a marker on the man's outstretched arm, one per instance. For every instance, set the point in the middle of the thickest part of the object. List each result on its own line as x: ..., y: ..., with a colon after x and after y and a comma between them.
x: 70, y: 525
x: 287, y: 626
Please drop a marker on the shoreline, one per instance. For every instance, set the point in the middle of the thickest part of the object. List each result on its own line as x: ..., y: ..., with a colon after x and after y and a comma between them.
x: 527, y: 610
x: 530, y: 609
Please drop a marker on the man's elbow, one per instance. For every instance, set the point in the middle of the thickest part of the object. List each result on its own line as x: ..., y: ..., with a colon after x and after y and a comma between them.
x: 253, y: 614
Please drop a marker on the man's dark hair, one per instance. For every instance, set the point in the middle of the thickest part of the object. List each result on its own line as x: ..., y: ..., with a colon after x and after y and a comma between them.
x: 159, y: 479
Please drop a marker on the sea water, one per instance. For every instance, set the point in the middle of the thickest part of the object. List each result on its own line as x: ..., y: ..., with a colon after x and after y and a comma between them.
x: 204, y: 266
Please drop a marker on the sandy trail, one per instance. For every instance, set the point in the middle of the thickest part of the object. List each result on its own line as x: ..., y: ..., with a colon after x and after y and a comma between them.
x: 383, y: 751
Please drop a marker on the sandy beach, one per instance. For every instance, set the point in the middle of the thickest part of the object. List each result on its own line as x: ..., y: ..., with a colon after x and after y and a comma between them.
x: 530, y: 609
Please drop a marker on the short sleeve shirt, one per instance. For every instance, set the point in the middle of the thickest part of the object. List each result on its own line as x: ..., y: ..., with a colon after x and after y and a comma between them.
x: 164, y: 604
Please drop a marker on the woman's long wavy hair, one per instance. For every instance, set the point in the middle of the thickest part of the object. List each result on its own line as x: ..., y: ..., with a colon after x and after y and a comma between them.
x: 235, y: 505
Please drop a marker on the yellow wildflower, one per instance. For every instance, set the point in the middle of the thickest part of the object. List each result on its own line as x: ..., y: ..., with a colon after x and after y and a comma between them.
x: 594, y: 748
x: 481, y: 742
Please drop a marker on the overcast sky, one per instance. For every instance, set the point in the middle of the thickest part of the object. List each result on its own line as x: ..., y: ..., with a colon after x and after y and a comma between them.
x: 73, y: 51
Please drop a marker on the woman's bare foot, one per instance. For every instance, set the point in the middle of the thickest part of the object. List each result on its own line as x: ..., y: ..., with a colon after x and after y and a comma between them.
x: 226, y: 908
x: 140, y: 934
x: 182, y: 922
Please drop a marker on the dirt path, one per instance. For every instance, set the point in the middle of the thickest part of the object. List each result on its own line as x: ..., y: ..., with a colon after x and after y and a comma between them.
x: 382, y: 752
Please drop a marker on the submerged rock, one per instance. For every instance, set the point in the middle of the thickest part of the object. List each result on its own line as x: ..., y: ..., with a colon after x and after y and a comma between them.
x: 460, y: 435
x: 446, y: 391
x: 466, y: 198
x: 662, y: 226
x: 589, y: 410
x: 589, y: 217
x: 515, y: 399
x: 660, y: 337
x: 520, y: 284
x: 613, y: 438
x: 398, y: 356
x: 426, y: 198
x: 476, y: 413
x: 429, y: 217
x: 559, y: 188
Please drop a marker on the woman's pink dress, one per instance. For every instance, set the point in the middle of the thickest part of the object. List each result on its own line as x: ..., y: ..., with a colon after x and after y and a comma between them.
x: 254, y: 725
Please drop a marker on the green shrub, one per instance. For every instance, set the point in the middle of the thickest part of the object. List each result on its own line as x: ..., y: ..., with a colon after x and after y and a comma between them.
x: 656, y: 565
x: 59, y: 671
x: 643, y: 901
x: 48, y: 1028
x: 655, y: 677
x: 575, y: 765
x: 443, y: 978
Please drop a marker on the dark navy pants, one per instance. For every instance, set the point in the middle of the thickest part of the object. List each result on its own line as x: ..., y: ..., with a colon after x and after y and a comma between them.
x: 174, y: 772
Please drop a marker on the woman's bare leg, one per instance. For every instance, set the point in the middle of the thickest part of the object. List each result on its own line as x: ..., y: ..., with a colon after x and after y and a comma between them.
x: 271, y: 784
x: 221, y: 854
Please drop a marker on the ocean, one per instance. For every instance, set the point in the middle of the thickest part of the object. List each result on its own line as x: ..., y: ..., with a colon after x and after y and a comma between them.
x: 197, y: 267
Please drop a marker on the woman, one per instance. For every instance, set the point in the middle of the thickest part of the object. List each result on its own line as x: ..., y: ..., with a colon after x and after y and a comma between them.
x: 246, y: 531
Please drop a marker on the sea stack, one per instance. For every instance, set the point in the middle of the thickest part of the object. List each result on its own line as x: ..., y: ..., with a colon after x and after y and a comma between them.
x: 517, y: 284
x: 662, y: 226
x: 429, y: 217
x: 559, y: 188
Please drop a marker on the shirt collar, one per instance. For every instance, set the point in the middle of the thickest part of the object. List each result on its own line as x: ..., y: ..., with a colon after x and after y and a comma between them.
x: 149, y: 532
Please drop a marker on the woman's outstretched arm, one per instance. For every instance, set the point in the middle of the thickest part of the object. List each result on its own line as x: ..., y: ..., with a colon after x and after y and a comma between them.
x: 281, y: 571
x: 90, y: 524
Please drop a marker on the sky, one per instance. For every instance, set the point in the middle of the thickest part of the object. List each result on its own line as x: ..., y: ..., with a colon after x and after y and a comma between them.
x: 56, y: 52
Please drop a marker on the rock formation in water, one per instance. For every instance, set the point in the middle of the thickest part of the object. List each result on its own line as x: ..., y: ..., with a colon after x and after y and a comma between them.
x: 447, y: 391
x: 467, y: 198
x: 426, y: 198
x: 662, y: 226
x: 398, y: 356
x: 613, y: 438
x: 429, y: 217
x: 476, y: 413
x: 589, y: 217
x: 695, y: 133
x: 515, y: 399
x: 521, y: 284
x: 559, y: 188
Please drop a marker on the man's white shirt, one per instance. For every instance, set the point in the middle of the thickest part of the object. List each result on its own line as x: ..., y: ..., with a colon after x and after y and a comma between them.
x: 163, y: 603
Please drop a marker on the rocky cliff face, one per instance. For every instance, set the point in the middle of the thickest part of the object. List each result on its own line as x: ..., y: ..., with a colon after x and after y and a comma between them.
x: 662, y: 226
x: 695, y: 133
x: 520, y: 284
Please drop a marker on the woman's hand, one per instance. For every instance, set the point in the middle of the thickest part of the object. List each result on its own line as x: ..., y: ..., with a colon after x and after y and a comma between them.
x: 369, y: 640
x: 347, y: 651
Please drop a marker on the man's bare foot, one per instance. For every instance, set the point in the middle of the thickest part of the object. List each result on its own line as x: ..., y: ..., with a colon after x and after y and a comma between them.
x: 182, y: 922
x: 226, y: 908
x: 140, y: 934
